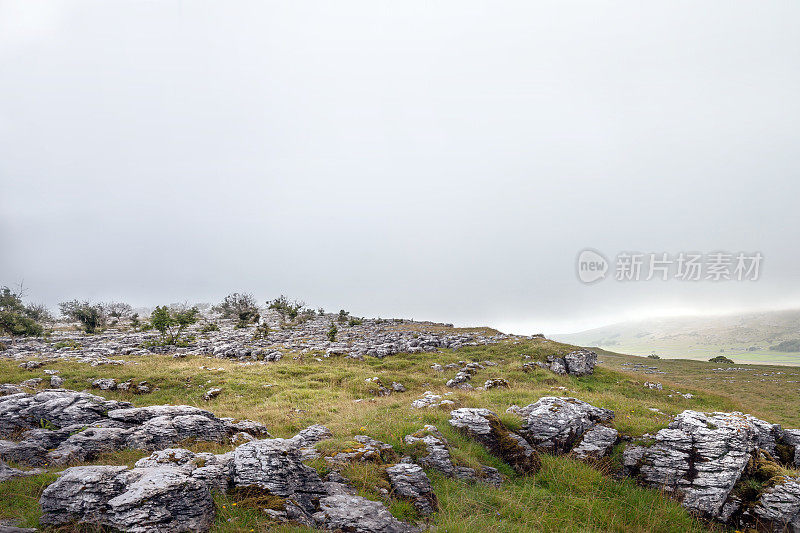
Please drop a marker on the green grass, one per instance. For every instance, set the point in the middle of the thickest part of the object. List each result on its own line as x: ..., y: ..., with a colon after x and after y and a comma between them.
x: 293, y: 393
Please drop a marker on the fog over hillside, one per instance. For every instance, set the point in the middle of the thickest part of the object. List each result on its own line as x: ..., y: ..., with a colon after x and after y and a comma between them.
x: 441, y: 161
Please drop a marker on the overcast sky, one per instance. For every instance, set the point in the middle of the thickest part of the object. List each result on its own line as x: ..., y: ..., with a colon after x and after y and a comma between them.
x: 435, y: 160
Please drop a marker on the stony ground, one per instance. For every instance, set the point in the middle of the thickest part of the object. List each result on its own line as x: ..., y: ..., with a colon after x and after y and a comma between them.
x: 492, y: 454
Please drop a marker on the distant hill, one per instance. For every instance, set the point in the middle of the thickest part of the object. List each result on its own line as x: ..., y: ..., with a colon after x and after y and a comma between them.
x: 745, y: 338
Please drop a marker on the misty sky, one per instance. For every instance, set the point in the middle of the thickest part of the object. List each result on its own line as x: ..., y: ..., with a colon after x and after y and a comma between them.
x: 435, y: 160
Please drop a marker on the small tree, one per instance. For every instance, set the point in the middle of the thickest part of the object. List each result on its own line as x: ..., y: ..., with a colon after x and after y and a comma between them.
x: 332, y: 331
x: 119, y: 310
x: 239, y: 306
x: 91, y: 316
x: 343, y: 316
x: 172, y: 322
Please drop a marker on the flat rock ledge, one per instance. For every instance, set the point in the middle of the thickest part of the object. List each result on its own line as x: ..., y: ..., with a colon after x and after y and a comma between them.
x: 59, y: 427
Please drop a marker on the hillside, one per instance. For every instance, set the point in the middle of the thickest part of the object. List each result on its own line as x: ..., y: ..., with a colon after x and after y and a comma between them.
x: 377, y: 409
x: 745, y: 338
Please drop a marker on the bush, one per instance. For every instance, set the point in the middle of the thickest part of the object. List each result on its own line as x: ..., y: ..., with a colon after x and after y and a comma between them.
x: 355, y: 322
x: 721, y: 359
x: 209, y: 327
x: 119, y: 310
x: 172, y: 322
x: 285, y: 308
x: 332, y: 331
x: 18, y: 319
x: 261, y: 331
x: 653, y: 356
x: 91, y: 316
x: 343, y: 316
x: 239, y: 306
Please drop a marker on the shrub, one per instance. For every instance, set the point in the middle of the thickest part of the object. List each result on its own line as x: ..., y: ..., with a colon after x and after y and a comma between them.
x: 332, y: 331
x: 355, y: 322
x: 261, y: 331
x: 209, y: 327
x: 721, y: 359
x: 172, y: 322
x: 18, y: 319
x: 286, y: 308
x: 653, y: 356
x: 239, y: 306
x: 91, y: 316
x: 343, y: 316
x: 119, y: 310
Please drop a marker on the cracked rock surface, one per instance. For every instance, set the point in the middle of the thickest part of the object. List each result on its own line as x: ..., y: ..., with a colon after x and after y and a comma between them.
x: 559, y: 425
x: 700, y: 457
x: 61, y: 426
x: 484, y: 426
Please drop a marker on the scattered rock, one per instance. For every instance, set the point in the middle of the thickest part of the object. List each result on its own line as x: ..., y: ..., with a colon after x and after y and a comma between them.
x: 431, y: 400
x: 496, y: 382
x: 31, y: 383
x: 212, y: 393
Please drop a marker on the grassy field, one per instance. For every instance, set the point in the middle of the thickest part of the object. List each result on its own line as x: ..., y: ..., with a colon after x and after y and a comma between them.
x: 565, y: 496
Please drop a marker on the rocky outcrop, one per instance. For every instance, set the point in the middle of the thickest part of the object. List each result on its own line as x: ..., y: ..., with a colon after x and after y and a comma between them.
x: 577, y: 363
x: 63, y: 427
x: 372, y: 337
x: 171, y: 490
x: 563, y: 425
x: 275, y: 466
x: 437, y: 456
x: 409, y: 482
x: 141, y: 500
x: 484, y: 426
x: 700, y: 457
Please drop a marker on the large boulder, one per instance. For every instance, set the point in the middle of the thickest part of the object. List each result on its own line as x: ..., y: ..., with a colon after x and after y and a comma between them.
x: 275, y: 466
x: 559, y: 425
x: 700, y: 457
x: 142, y: 500
x: 53, y: 409
x: 63, y: 427
x: 484, y: 426
x: 577, y: 363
